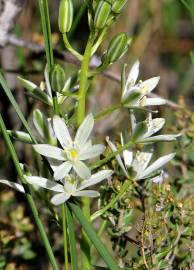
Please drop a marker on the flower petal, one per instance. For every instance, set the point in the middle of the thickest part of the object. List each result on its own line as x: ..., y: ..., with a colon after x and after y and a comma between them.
x: 154, y: 101
x: 118, y: 157
x: 61, y: 131
x: 153, y: 126
x: 84, y: 130
x: 148, y: 85
x: 82, y: 170
x: 49, y: 151
x: 95, y: 179
x: 44, y: 183
x: 141, y: 161
x: 62, y: 170
x: 91, y: 152
x: 16, y: 186
x: 60, y: 198
x: 87, y: 193
x: 128, y: 157
x: 160, y: 138
x: 159, y: 163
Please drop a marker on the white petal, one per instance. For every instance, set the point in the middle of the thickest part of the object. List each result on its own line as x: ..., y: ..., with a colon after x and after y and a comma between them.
x: 87, y: 193
x: 84, y: 130
x: 159, y: 163
x: 118, y: 157
x: 128, y: 157
x: 16, y: 186
x: 60, y: 198
x: 154, y: 101
x: 96, y: 178
x: 141, y: 161
x: 62, y: 170
x: 133, y: 74
x: 153, y: 126
x: 148, y: 85
x: 91, y: 152
x: 160, y: 138
x: 61, y: 131
x: 48, y: 85
x: 70, y: 186
x: 44, y: 183
x: 82, y: 170
x: 49, y: 151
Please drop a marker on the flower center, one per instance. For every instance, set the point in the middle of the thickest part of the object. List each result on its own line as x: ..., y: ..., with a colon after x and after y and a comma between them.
x: 73, y: 154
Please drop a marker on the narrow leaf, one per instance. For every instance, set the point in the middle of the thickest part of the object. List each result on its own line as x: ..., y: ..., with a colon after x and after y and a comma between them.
x: 94, y: 237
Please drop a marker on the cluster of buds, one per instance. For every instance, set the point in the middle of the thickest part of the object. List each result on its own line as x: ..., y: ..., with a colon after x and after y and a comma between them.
x: 106, y: 11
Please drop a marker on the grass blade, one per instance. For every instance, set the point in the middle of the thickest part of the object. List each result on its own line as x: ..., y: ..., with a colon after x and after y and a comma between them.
x: 45, y: 19
x: 72, y: 240
x: 104, y: 253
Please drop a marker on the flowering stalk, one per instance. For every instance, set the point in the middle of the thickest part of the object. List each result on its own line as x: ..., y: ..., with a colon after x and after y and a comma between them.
x: 80, y: 116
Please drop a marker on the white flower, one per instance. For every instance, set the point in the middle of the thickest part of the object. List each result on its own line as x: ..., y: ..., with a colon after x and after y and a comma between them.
x: 73, y: 152
x: 140, y: 162
x: 66, y: 188
x: 135, y: 94
x: 152, y: 127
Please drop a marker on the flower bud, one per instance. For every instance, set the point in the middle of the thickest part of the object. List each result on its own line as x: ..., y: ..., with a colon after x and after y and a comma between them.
x: 57, y: 78
x: 117, y: 47
x: 65, y: 16
x: 118, y: 5
x: 102, y: 13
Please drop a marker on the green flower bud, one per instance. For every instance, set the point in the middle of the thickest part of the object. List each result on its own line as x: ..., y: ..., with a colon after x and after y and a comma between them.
x: 118, y: 5
x: 117, y: 47
x: 102, y: 13
x: 65, y: 16
x: 57, y: 78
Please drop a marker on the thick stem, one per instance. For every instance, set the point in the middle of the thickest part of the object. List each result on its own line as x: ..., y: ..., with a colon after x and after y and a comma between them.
x: 85, y: 244
x: 84, y: 79
x: 28, y: 195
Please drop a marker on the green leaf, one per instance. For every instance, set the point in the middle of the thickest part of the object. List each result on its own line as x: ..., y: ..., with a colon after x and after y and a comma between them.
x: 72, y: 241
x: 16, y: 107
x: 104, y: 253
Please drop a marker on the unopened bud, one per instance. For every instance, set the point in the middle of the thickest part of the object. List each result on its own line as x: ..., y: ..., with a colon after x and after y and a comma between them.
x: 118, y: 47
x: 57, y: 78
x: 102, y: 13
x: 65, y: 16
x: 118, y: 5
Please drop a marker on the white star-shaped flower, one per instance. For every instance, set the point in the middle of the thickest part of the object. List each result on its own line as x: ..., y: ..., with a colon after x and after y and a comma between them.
x: 73, y: 152
x: 134, y: 94
x: 140, y: 162
x: 152, y: 126
x: 69, y: 186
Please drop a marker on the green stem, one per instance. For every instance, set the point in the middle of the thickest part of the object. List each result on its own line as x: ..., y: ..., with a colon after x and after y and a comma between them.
x: 100, y: 212
x: 70, y: 48
x: 84, y: 79
x: 85, y: 243
x: 63, y: 213
x: 111, y: 156
x: 107, y: 111
x: 28, y: 195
